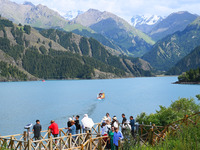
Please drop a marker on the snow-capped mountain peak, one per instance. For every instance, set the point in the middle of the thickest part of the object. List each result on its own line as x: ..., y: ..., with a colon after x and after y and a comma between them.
x: 72, y: 14
x: 145, y: 19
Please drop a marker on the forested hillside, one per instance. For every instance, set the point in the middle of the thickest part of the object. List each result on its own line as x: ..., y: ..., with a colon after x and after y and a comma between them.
x: 168, y: 51
x: 54, y: 54
x: 191, y: 61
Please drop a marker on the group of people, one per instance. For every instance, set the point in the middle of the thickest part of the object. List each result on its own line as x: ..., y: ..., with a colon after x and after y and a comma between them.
x: 109, y: 127
x: 73, y: 126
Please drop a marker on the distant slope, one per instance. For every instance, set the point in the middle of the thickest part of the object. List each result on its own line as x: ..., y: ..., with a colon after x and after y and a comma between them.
x: 191, y: 61
x: 55, y: 54
x: 42, y: 17
x: 168, y: 51
x: 173, y: 23
x: 116, y: 29
x: 36, y: 16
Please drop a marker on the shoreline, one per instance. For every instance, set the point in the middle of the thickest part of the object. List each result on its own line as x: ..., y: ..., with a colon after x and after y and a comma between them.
x: 178, y: 82
x: 3, y: 81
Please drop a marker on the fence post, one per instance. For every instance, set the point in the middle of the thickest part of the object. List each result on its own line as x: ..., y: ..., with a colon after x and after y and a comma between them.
x: 50, y: 143
x: 12, y: 142
x: 90, y: 143
x: 70, y: 140
x: 25, y: 137
x: 151, y: 136
x: 99, y: 144
x: 81, y: 146
x: 99, y: 130
x: 29, y: 144
x: 49, y: 133
x: 60, y: 137
x: 119, y: 144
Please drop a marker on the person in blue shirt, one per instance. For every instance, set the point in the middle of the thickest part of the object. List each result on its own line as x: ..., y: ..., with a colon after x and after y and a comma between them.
x: 72, y: 129
x: 117, y: 136
x: 132, y: 123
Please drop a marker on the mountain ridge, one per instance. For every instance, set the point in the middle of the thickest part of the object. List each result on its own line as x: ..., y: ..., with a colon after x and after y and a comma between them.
x: 168, y: 51
x: 54, y: 54
x: 117, y: 29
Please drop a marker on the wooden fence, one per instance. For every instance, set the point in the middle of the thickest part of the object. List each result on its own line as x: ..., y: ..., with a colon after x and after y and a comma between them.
x: 154, y: 134
x: 151, y: 134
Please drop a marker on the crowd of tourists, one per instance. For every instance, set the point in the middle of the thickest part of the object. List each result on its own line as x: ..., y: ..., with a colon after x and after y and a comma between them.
x: 109, y: 127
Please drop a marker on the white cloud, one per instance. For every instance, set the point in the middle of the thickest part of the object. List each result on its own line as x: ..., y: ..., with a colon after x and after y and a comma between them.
x: 123, y: 8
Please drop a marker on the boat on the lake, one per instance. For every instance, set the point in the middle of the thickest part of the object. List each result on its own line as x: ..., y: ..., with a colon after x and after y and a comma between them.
x: 101, y: 96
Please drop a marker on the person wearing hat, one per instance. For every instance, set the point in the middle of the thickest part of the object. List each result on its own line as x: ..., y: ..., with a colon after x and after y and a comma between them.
x: 36, y: 130
x: 69, y: 122
x: 54, y: 129
x: 72, y: 129
x: 115, y: 121
x: 104, y: 119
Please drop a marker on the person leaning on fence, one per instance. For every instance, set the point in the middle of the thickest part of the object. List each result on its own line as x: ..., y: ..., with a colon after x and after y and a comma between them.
x: 36, y: 130
x: 54, y: 129
x: 72, y: 129
x: 116, y: 137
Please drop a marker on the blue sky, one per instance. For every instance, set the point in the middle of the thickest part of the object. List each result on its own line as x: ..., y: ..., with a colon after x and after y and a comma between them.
x: 123, y: 8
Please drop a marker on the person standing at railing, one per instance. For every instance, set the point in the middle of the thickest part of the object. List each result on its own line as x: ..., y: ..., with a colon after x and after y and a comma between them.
x: 72, y: 129
x: 36, y: 130
x: 132, y: 123
x: 69, y: 122
x: 87, y: 123
x: 77, y: 124
x: 115, y: 121
x: 111, y: 134
x: 116, y: 137
x: 54, y: 129
x: 108, y: 116
x: 123, y: 123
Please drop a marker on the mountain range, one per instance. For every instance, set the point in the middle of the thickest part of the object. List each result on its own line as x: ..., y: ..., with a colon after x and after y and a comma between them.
x: 27, y: 54
x: 168, y: 51
x: 124, y: 36
x: 117, y: 29
x: 174, y: 22
x: 176, y: 36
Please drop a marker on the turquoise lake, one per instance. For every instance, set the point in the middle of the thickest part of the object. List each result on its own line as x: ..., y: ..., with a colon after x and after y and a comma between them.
x: 24, y: 102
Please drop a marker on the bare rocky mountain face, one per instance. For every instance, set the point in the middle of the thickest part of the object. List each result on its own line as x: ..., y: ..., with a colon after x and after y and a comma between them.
x: 27, y: 13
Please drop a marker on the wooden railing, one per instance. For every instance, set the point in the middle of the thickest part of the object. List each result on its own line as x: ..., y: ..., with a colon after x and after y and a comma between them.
x: 64, y: 141
x: 154, y: 134
x: 151, y: 134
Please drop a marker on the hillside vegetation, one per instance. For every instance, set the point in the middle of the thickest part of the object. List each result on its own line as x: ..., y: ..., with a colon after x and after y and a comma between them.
x: 187, y: 137
x: 191, y: 61
x: 54, y: 54
x: 168, y: 51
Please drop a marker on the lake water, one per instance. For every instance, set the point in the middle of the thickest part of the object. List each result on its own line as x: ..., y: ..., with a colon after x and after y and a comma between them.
x: 24, y: 102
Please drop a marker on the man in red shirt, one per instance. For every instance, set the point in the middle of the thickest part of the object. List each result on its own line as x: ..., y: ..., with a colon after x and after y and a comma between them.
x: 54, y: 129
